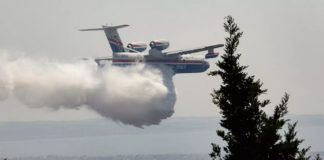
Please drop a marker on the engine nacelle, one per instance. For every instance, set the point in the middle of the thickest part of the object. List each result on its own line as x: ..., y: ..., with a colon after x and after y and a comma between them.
x: 159, y: 44
x: 137, y: 46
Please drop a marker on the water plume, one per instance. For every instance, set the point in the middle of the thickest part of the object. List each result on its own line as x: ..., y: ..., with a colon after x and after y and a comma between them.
x: 138, y: 95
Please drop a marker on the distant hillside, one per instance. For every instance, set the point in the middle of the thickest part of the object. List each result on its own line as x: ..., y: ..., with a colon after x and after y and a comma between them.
x: 123, y: 157
x: 93, y: 138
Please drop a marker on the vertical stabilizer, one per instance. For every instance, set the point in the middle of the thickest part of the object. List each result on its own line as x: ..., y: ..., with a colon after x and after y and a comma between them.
x: 112, y: 35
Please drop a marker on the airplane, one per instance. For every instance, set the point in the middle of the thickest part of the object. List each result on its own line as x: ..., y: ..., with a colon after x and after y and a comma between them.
x: 134, y: 53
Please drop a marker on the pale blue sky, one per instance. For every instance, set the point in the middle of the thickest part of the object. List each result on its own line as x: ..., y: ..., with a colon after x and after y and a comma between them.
x: 282, y: 44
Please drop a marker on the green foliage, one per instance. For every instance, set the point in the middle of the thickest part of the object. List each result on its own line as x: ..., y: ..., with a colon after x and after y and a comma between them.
x: 249, y: 133
x: 318, y: 157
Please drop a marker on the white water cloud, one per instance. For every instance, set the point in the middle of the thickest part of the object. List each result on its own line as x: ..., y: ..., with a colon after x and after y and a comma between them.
x: 138, y: 95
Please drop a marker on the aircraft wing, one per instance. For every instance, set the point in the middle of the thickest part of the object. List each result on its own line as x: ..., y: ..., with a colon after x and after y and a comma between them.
x: 189, y: 51
x: 103, y: 58
x: 99, y: 59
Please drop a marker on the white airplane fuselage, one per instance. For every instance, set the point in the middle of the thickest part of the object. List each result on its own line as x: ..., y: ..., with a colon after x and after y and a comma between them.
x: 178, y: 64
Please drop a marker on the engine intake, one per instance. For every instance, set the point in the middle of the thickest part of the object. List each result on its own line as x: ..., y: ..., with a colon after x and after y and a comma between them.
x: 137, y: 46
x: 159, y: 44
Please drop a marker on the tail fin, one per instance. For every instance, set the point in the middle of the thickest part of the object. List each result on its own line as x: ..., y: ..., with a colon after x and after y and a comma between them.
x: 112, y: 35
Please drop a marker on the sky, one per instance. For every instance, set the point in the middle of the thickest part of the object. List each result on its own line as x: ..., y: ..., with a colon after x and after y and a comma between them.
x: 282, y: 44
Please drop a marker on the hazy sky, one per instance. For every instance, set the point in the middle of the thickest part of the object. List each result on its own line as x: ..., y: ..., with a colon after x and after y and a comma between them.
x: 282, y: 44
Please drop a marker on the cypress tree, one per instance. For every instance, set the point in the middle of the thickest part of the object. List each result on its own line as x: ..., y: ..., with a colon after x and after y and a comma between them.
x: 249, y: 133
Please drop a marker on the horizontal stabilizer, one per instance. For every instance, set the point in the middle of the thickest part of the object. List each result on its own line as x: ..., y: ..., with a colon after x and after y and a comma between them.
x: 104, y: 28
x: 91, y: 29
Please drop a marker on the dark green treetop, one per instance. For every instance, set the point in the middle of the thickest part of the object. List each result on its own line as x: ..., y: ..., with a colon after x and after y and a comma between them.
x: 249, y: 133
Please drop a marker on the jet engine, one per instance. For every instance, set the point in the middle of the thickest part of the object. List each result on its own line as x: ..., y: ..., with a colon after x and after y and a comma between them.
x: 159, y: 44
x: 137, y: 46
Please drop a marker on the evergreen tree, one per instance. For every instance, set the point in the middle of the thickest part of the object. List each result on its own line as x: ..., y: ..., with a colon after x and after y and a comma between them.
x: 249, y: 133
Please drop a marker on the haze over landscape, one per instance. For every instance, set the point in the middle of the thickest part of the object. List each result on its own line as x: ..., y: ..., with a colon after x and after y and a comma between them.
x: 95, y: 138
x: 281, y: 45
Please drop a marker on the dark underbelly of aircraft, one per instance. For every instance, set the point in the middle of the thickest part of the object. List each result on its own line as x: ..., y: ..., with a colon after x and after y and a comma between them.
x: 179, y: 66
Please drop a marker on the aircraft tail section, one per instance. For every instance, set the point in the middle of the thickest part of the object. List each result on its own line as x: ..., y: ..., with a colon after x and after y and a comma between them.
x: 112, y: 35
